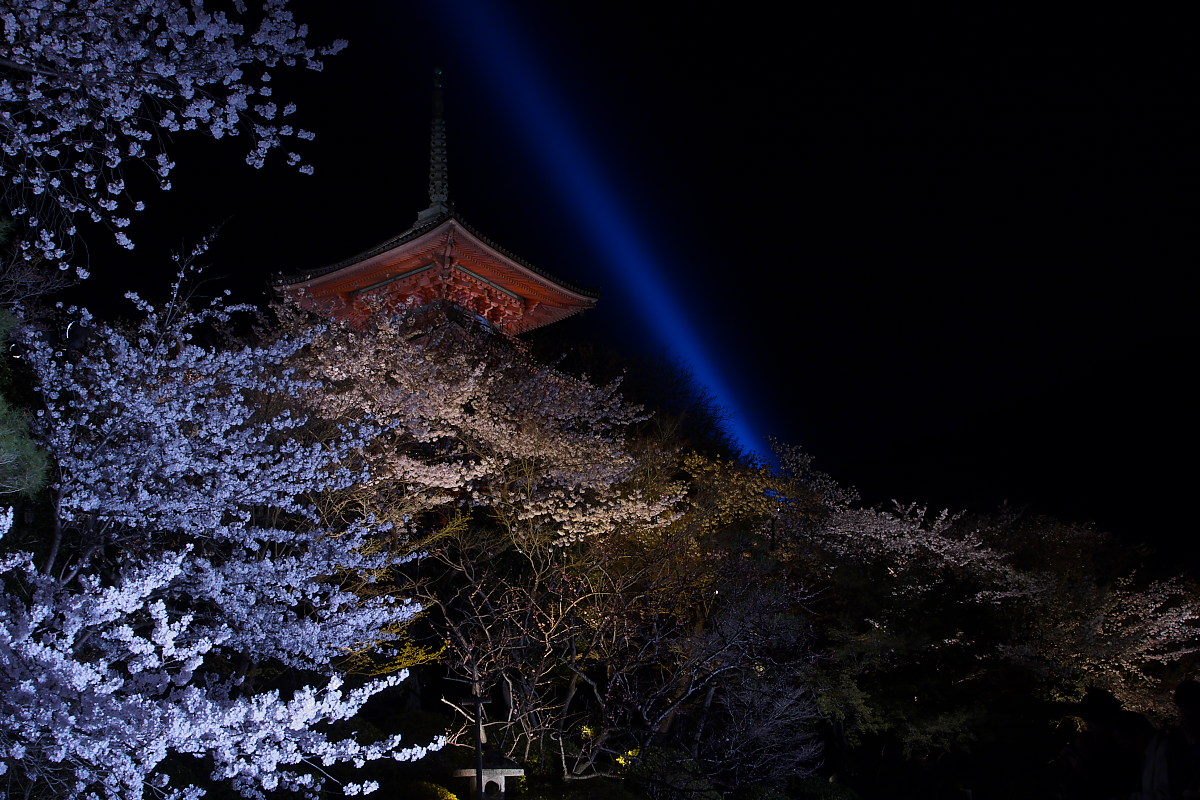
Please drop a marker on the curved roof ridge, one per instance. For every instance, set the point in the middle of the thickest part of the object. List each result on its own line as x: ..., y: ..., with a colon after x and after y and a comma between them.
x: 283, y: 279
x: 441, y: 210
x: 280, y: 279
x: 588, y: 292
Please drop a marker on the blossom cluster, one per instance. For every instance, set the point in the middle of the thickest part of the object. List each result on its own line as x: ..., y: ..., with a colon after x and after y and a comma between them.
x: 480, y: 425
x: 1068, y: 620
x: 190, y: 552
x: 89, y: 86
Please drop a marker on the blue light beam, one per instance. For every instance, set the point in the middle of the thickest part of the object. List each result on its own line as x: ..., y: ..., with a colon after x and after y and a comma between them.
x: 510, y: 71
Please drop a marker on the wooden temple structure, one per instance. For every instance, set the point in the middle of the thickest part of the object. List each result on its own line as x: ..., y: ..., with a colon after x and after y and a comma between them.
x: 440, y: 262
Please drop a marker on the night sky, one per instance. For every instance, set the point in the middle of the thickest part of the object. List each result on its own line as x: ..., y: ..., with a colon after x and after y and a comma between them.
x: 951, y: 256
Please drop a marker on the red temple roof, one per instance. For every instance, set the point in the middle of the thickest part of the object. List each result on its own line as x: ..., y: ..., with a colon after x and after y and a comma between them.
x: 439, y: 260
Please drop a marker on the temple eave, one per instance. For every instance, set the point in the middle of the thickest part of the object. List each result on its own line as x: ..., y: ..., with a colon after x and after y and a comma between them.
x: 548, y: 316
x: 444, y: 262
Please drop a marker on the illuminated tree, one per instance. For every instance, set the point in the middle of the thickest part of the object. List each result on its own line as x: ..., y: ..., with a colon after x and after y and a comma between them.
x: 612, y: 648
x: 477, y: 426
x: 562, y: 566
x: 88, y: 87
x: 1099, y: 621
x: 189, y: 562
x: 937, y: 626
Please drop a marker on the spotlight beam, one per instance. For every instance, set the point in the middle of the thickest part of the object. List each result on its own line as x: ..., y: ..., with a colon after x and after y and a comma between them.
x: 507, y: 66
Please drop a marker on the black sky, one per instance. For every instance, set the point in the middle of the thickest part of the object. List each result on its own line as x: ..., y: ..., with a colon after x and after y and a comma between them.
x: 952, y: 255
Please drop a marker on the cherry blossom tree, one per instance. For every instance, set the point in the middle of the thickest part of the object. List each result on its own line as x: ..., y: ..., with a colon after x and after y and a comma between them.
x: 89, y: 87
x: 602, y: 648
x: 931, y: 619
x: 1102, y: 620
x: 188, y: 609
x: 561, y: 565
x: 479, y: 426
x: 562, y: 561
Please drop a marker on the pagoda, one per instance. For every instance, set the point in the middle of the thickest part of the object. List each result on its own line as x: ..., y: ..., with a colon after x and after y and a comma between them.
x: 440, y: 262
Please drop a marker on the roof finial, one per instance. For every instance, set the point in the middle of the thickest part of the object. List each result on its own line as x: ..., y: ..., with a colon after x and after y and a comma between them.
x: 439, y: 173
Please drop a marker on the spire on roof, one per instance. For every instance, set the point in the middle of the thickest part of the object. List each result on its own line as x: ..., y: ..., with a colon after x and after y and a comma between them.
x: 439, y: 173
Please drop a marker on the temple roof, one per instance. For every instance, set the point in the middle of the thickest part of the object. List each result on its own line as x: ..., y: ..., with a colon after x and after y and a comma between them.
x: 440, y: 259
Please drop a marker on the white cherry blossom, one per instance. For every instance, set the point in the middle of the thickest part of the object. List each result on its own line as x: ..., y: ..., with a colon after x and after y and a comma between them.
x: 89, y: 88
